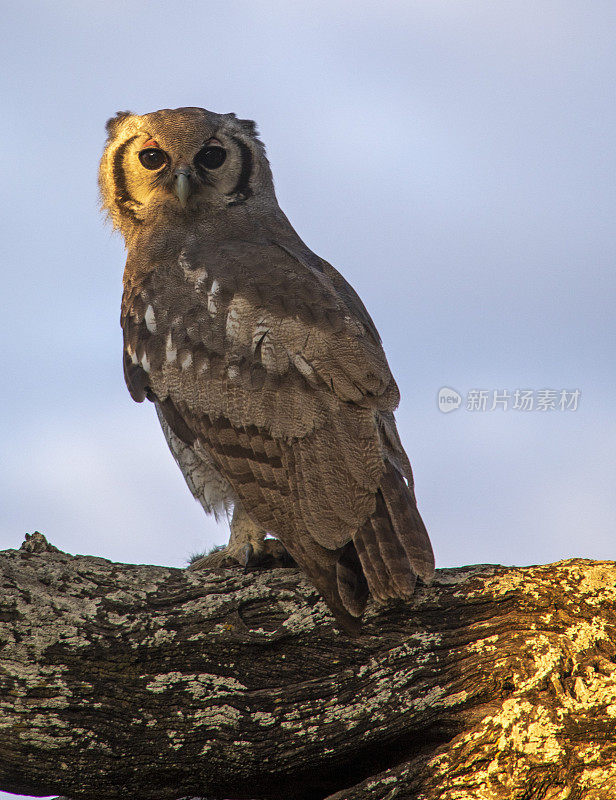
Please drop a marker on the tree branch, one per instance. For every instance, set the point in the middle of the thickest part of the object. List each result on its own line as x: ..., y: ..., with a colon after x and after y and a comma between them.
x: 145, y: 682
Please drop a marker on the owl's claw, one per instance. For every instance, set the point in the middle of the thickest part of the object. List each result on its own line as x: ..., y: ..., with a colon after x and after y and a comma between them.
x: 271, y: 554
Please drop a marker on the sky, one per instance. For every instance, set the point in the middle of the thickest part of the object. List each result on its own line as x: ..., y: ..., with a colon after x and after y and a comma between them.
x: 453, y: 159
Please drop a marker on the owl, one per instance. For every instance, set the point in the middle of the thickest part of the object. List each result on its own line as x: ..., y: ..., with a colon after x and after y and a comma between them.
x: 265, y: 369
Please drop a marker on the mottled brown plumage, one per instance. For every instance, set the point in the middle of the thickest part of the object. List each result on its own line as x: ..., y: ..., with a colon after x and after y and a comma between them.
x: 266, y: 370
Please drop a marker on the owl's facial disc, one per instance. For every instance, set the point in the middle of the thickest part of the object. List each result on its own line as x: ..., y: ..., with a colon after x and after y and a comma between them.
x: 215, y: 171
x: 183, y: 163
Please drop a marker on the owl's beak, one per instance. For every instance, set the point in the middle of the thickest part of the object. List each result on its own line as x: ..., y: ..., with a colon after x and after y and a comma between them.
x: 181, y: 186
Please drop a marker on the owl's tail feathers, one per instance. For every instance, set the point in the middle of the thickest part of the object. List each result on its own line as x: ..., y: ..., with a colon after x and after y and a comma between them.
x: 353, y: 588
x: 384, y: 558
x: 393, y: 545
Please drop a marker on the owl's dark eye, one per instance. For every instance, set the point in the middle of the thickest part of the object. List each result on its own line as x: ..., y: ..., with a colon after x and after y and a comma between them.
x: 153, y: 158
x: 211, y: 157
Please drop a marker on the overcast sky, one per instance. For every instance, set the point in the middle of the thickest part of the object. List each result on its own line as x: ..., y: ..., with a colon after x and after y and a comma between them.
x: 455, y: 160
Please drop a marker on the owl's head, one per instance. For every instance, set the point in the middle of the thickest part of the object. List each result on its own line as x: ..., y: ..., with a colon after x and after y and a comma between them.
x: 179, y: 163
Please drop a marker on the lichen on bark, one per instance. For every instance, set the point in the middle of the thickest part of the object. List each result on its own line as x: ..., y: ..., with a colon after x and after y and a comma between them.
x: 150, y: 682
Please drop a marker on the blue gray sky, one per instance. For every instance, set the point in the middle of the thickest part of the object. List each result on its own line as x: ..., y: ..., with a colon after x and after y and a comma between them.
x: 455, y: 160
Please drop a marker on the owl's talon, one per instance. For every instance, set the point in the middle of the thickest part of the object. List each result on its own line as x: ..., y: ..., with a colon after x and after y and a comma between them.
x: 273, y: 554
x: 270, y: 555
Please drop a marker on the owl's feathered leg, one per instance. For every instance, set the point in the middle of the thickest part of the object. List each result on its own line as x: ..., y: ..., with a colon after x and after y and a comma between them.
x: 247, y: 546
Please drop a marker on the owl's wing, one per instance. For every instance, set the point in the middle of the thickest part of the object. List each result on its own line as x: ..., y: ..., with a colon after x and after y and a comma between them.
x: 282, y: 376
x: 268, y: 338
x: 305, y: 319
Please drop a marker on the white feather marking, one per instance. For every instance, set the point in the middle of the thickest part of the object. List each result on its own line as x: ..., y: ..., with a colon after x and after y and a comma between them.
x: 145, y: 362
x: 150, y: 319
x: 170, y: 351
x: 200, y: 278
x: 268, y: 358
x: 304, y: 367
x: 233, y: 372
x: 186, y: 361
x: 212, y: 305
x: 232, y: 327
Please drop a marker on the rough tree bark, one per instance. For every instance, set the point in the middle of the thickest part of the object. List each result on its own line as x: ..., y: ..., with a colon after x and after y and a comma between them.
x: 124, y: 681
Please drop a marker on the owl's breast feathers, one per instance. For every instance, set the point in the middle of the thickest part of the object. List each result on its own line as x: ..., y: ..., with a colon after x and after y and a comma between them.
x: 276, y: 367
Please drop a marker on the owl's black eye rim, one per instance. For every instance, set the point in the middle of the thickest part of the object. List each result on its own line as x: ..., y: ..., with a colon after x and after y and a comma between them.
x: 210, y: 157
x: 153, y: 158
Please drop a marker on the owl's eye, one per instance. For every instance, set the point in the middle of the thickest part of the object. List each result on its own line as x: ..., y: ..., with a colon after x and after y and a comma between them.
x: 153, y: 158
x: 210, y: 157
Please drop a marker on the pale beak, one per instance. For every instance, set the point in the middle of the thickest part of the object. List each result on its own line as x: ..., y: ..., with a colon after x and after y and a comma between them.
x: 181, y: 187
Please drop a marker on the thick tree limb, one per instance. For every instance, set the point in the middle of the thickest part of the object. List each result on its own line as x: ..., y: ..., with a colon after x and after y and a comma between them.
x: 122, y: 681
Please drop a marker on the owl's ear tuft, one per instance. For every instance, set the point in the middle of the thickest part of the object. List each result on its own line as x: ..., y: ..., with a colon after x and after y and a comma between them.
x: 111, y: 126
x: 249, y: 126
